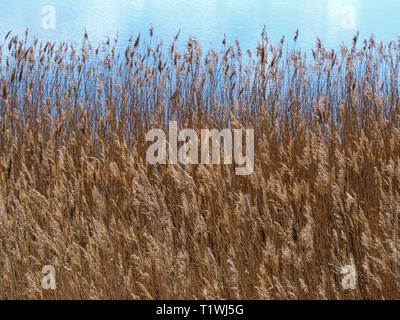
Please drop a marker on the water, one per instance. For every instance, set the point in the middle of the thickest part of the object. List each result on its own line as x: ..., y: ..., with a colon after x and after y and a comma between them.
x: 334, y: 21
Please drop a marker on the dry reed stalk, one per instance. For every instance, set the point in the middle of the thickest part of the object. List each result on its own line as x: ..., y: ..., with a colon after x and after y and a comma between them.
x: 77, y: 193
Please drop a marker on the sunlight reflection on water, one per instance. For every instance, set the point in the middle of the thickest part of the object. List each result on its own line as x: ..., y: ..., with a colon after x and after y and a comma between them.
x: 333, y: 21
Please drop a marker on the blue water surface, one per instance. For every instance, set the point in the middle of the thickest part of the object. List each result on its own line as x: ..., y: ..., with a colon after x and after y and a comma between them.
x: 334, y: 21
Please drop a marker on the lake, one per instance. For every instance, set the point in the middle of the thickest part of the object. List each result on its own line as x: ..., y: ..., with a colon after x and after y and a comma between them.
x: 333, y: 21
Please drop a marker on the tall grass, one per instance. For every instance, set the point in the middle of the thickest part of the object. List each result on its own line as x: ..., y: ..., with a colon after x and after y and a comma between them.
x: 76, y: 191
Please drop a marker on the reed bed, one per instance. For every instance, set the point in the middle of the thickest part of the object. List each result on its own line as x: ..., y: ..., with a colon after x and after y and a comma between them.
x: 77, y: 193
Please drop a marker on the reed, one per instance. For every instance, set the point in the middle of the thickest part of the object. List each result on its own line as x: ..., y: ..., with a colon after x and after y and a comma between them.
x: 76, y: 191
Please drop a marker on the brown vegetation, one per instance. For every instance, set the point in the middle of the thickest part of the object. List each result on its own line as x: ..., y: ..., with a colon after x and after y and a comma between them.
x: 76, y: 191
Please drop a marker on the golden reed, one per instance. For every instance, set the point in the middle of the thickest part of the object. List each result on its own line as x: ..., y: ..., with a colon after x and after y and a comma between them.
x: 77, y: 193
